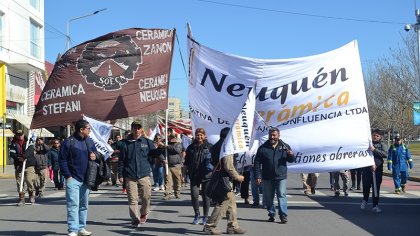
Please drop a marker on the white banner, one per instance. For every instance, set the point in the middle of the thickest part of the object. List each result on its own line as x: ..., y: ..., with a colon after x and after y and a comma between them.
x: 317, y: 102
x: 239, y: 137
x: 100, y: 133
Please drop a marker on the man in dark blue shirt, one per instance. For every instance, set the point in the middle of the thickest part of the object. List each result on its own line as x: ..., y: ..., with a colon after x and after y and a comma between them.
x: 270, y: 167
x: 75, y: 153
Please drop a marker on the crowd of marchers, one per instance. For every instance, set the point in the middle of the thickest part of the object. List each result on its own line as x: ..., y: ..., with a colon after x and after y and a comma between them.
x: 141, y: 165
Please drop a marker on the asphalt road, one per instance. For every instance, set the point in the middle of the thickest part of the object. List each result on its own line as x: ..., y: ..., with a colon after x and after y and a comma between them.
x: 319, y: 214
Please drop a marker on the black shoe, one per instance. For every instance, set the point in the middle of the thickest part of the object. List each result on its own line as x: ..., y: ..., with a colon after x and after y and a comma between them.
x: 255, y: 204
x: 271, y: 219
x: 283, y: 219
x: 246, y: 201
x: 313, y: 190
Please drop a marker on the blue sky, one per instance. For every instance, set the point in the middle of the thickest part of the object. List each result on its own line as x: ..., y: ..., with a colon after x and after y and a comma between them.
x: 259, y: 29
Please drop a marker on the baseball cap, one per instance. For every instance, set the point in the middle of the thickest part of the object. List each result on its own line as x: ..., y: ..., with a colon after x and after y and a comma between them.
x: 136, y: 123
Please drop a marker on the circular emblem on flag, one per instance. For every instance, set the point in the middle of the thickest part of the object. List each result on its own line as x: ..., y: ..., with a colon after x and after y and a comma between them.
x: 111, y: 63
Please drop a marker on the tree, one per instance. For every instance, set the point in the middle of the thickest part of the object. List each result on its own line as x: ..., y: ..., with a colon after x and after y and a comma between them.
x: 392, y: 86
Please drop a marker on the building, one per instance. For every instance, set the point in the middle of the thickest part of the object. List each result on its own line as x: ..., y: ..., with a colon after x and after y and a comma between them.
x: 174, y: 108
x: 22, y: 62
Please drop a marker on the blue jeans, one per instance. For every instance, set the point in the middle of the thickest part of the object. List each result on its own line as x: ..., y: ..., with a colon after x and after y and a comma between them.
x: 157, y: 175
x: 278, y: 187
x: 77, y: 197
x: 254, y: 190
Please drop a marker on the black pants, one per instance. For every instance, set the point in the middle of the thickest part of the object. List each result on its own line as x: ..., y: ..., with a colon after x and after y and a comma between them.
x: 245, y: 185
x: 195, y: 192
x: 356, y: 176
x: 367, y: 179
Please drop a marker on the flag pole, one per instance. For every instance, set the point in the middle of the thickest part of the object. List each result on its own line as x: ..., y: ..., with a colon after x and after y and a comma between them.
x: 166, y: 141
x: 24, y: 162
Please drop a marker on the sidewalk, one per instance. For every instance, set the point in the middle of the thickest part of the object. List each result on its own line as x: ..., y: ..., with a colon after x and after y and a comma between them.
x: 9, y: 172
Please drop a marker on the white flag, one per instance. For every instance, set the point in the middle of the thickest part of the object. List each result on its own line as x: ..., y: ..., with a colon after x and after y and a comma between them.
x: 239, y: 137
x: 100, y: 132
x: 154, y: 132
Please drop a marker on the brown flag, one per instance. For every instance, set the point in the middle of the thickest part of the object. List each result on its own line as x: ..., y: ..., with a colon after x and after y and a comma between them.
x: 121, y: 74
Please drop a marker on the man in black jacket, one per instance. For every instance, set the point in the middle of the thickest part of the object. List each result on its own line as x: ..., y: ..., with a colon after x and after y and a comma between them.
x: 174, y: 165
x: 16, y: 151
x: 272, y: 156
x: 134, y: 166
x: 379, y: 150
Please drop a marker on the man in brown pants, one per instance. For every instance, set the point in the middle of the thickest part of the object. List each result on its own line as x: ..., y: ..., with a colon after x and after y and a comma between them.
x: 228, y: 205
x: 174, y: 164
x: 134, y: 165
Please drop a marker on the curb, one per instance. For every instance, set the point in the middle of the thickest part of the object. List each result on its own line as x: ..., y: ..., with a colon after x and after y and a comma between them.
x: 414, y: 179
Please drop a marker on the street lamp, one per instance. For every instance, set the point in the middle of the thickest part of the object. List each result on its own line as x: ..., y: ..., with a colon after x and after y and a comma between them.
x: 68, y: 41
x: 76, y: 18
x: 416, y: 28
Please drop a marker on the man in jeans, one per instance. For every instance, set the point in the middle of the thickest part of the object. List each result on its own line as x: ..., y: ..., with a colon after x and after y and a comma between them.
x: 75, y: 153
x: 270, y: 167
x: 134, y: 166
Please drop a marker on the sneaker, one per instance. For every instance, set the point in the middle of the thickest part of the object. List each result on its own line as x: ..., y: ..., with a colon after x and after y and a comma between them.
x: 255, y: 204
x: 124, y: 190
x: 346, y: 194
x: 397, y: 191
x: 84, y: 232
x: 196, y: 219
x: 232, y: 230
x: 283, y: 219
x: 143, y: 218
x: 211, y: 231
x: 204, y: 220
x: 162, y: 188
x: 352, y: 188
x: 363, y: 205
x: 305, y: 193
x: 135, y: 223
x: 376, y: 209
x: 155, y: 189
x: 271, y: 219
x: 313, y: 190
x: 403, y: 189
x: 337, y: 193
x: 72, y: 234
x: 246, y: 201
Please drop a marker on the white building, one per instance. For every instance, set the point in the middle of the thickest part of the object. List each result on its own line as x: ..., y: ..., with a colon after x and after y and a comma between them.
x: 22, y: 58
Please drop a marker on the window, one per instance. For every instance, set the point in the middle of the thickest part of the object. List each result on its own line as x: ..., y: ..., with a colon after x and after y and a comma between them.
x: 34, y: 4
x: 35, y: 35
x: 1, y: 29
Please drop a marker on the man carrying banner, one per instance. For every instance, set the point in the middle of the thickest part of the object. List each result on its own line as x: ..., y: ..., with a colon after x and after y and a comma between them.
x: 270, y: 165
x: 134, y: 167
x: 379, y: 150
x: 228, y: 205
x: 17, y: 148
x: 75, y: 153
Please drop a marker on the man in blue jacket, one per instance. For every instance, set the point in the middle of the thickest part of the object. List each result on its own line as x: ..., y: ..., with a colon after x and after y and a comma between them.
x: 399, y: 158
x: 134, y: 166
x: 273, y: 156
x: 75, y: 153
